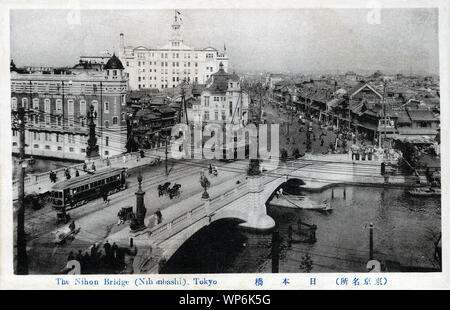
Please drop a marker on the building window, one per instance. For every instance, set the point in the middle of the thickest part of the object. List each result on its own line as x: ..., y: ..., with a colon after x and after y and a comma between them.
x: 206, y: 101
x: 82, y: 150
x: 36, y: 104
x: 25, y: 103
x: 106, y: 152
x: 106, y: 107
x: 206, y: 115
x: 70, y: 106
x: 47, y: 147
x: 47, y: 120
x: 216, y: 116
x: 14, y: 103
x: 82, y: 107
x: 71, y: 149
x: 59, y: 148
x: 36, y: 146
x: 115, y: 120
x: 223, y: 115
x: 106, y: 141
x: 58, y: 105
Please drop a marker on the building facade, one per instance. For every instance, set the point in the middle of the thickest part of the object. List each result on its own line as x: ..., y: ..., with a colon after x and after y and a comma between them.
x: 167, y: 66
x: 56, y: 104
x: 222, y: 101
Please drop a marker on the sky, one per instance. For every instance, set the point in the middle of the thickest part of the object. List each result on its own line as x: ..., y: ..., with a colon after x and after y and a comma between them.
x: 294, y: 40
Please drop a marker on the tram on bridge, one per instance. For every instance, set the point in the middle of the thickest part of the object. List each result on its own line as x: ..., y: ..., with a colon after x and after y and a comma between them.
x: 78, y: 191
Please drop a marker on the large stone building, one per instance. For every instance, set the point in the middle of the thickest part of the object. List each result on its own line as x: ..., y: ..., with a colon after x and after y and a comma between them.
x: 222, y: 101
x: 56, y: 102
x: 167, y: 66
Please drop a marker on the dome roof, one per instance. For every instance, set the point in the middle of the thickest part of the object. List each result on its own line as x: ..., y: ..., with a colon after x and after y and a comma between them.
x: 114, y: 63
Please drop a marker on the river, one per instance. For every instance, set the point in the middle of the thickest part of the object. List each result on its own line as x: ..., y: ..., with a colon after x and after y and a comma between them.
x: 403, y: 226
x: 41, y: 165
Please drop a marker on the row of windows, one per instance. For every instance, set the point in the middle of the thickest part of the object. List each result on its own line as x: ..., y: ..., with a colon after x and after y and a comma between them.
x: 59, y: 148
x: 166, y: 83
x: 58, y: 105
x: 41, y: 87
x: 216, y: 115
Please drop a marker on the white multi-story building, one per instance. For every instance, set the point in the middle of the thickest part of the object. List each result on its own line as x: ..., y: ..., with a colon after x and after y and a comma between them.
x: 222, y: 101
x: 167, y: 66
x: 56, y: 103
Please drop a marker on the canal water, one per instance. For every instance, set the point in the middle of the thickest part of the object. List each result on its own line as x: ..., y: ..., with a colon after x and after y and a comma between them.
x: 41, y: 165
x: 403, y: 230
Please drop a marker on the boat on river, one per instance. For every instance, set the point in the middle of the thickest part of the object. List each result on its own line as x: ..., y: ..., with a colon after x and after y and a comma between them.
x: 300, y: 202
x: 425, y: 192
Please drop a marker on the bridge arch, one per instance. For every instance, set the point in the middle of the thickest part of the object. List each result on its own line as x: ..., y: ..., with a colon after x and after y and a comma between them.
x: 284, y: 183
x: 201, y: 233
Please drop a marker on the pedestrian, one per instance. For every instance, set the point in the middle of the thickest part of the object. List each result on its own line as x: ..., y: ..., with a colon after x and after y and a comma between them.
x: 124, y: 159
x: 210, y: 168
x: 120, y: 216
x: 84, y: 167
x: 158, y: 216
x: 79, y: 257
x: 50, y: 175
x: 86, y: 262
x: 105, y: 195
x: 114, y: 250
x: 322, y: 142
x: 71, y: 256
x: 107, y: 247
x: 94, y: 251
x: 108, y: 162
x: 67, y: 174
x: 77, y: 173
x: 93, y: 166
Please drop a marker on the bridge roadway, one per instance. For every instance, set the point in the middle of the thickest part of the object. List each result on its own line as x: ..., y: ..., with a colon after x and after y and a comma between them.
x: 184, y: 216
x: 245, y: 201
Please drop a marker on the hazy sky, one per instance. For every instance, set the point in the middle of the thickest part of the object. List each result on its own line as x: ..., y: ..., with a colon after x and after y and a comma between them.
x: 297, y: 40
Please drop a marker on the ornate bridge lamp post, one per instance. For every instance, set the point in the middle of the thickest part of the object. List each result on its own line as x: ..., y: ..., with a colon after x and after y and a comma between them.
x: 138, y: 222
x: 92, y: 149
x: 204, y: 182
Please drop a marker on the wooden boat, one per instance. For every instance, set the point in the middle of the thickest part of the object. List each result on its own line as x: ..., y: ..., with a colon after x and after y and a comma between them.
x: 425, y: 192
x: 300, y: 202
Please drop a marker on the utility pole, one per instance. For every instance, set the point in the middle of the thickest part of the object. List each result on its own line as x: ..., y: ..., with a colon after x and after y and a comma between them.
x: 275, y: 251
x: 166, y: 152
x: 22, y: 259
x: 371, y: 241
x: 384, y: 109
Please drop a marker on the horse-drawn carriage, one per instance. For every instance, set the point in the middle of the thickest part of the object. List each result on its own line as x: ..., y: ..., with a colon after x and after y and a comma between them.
x: 165, y: 189
x: 125, y: 214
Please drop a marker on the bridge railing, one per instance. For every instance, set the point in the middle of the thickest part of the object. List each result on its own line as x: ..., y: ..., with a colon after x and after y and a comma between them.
x: 164, y: 231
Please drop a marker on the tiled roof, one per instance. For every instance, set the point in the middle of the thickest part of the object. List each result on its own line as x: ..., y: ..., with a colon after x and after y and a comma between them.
x: 419, y: 115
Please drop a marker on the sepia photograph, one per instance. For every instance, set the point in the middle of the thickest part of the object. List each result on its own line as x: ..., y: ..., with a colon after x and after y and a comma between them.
x: 224, y: 141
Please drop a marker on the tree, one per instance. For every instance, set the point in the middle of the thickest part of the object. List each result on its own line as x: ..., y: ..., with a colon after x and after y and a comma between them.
x: 410, y: 155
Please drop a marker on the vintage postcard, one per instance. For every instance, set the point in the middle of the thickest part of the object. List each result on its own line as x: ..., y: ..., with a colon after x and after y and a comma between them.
x: 224, y: 145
